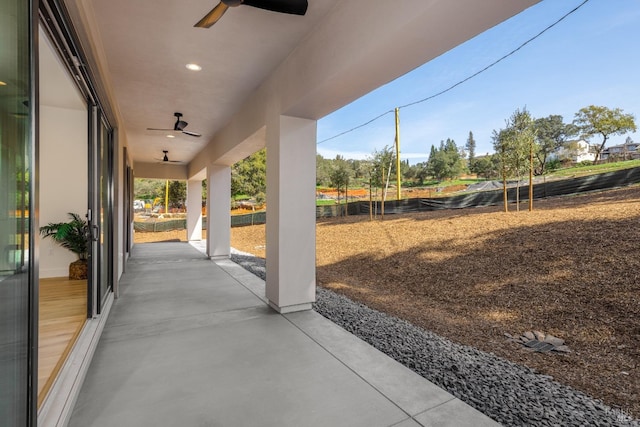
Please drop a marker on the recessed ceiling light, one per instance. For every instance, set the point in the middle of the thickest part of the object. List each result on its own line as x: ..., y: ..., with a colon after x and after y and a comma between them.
x: 171, y: 136
x: 193, y: 67
x: 2, y: 83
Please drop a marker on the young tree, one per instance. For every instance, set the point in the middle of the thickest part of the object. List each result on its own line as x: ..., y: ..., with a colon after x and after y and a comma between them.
x: 383, y: 159
x: 551, y: 134
x: 596, y: 120
x: 339, y: 175
x: 501, y: 141
x: 522, y: 132
x: 513, y: 146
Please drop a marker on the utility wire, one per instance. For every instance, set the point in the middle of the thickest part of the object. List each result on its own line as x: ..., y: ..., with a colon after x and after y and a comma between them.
x: 477, y: 73
x: 357, y: 127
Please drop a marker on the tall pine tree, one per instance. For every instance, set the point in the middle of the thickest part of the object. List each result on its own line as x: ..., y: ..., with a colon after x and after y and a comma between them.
x: 471, y: 150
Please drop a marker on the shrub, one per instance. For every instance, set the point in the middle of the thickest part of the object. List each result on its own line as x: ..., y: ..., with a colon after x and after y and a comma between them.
x: 553, y: 164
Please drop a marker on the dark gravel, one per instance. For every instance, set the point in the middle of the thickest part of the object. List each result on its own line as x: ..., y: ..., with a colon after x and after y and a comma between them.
x: 511, y: 394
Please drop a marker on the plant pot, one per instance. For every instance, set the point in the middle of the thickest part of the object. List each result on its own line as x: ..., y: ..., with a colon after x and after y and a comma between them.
x: 78, y: 270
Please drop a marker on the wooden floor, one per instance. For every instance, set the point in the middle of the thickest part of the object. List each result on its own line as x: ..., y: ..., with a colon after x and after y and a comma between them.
x: 63, y: 312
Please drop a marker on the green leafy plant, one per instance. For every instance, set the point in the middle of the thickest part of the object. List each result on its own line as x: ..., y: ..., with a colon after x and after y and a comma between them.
x: 71, y: 235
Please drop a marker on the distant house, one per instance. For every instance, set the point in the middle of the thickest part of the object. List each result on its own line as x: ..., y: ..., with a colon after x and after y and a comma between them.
x: 575, y: 152
x: 628, y: 151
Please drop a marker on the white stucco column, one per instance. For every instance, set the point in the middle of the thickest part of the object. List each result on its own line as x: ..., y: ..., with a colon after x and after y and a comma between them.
x: 194, y: 209
x: 291, y: 219
x: 218, y: 211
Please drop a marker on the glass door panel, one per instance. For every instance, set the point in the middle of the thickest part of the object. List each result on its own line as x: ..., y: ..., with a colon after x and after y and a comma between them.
x: 104, y: 213
x: 16, y: 289
x: 100, y: 210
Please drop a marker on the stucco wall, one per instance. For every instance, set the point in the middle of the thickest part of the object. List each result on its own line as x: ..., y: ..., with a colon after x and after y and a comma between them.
x: 63, y: 179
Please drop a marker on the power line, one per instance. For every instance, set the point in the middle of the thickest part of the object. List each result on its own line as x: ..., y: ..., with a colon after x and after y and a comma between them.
x: 477, y: 73
x: 357, y: 127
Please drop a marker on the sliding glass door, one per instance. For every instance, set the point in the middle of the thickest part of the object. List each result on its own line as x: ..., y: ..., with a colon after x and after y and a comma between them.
x: 105, y: 210
x: 100, y: 210
x: 17, y: 283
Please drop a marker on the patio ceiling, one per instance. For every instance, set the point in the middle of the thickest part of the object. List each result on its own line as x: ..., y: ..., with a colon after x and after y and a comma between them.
x: 337, y: 52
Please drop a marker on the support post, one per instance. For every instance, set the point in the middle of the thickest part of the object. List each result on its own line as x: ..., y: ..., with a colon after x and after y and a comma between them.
x: 531, y: 175
x: 218, y: 211
x: 194, y: 210
x: 166, y: 198
x: 291, y: 221
x: 398, y: 174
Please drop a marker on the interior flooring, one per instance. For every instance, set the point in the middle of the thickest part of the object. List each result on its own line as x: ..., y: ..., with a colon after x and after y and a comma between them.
x: 63, y: 312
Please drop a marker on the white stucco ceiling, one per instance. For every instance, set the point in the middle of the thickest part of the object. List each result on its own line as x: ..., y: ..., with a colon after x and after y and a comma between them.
x: 148, y: 44
x: 255, y: 60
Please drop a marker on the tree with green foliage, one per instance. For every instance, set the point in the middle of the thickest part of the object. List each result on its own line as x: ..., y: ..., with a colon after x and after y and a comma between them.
x: 323, y: 168
x: 383, y: 160
x: 501, y: 146
x: 204, y: 192
x: 421, y: 172
x: 339, y: 175
x: 471, y: 151
x: 428, y: 167
x: 357, y: 169
x: 513, y: 146
x: 249, y: 176
x: 149, y: 189
x: 409, y: 172
x: 522, y: 132
x: 177, y: 194
x: 606, y: 122
x: 446, y: 162
x: 551, y: 134
x: 486, y: 167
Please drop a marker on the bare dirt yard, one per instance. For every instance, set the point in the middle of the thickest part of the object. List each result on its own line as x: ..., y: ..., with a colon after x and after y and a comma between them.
x: 571, y: 269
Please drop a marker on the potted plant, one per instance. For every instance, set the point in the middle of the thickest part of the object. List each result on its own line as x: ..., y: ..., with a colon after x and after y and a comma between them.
x: 72, y: 235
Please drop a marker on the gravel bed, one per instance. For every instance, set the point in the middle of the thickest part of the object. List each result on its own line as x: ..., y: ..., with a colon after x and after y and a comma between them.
x: 511, y: 394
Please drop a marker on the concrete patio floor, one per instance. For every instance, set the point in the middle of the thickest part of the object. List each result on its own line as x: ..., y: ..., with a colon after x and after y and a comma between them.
x: 191, y: 342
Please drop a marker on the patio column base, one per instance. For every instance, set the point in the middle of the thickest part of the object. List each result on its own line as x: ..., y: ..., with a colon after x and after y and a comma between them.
x: 290, y: 308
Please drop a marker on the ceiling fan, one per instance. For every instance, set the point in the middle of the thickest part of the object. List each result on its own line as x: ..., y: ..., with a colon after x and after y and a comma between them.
x: 294, y: 7
x: 179, y: 127
x: 165, y: 159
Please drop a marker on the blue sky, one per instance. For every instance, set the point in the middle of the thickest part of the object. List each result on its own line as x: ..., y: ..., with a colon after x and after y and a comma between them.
x: 592, y: 57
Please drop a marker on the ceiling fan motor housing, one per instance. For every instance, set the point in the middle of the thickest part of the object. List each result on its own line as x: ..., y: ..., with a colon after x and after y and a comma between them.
x: 180, y: 124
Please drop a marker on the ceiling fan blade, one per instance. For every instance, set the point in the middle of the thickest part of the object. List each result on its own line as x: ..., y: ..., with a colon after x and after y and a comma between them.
x: 197, y: 135
x: 213, y: 16
x: 294, y: 7
x: 163, y: 130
